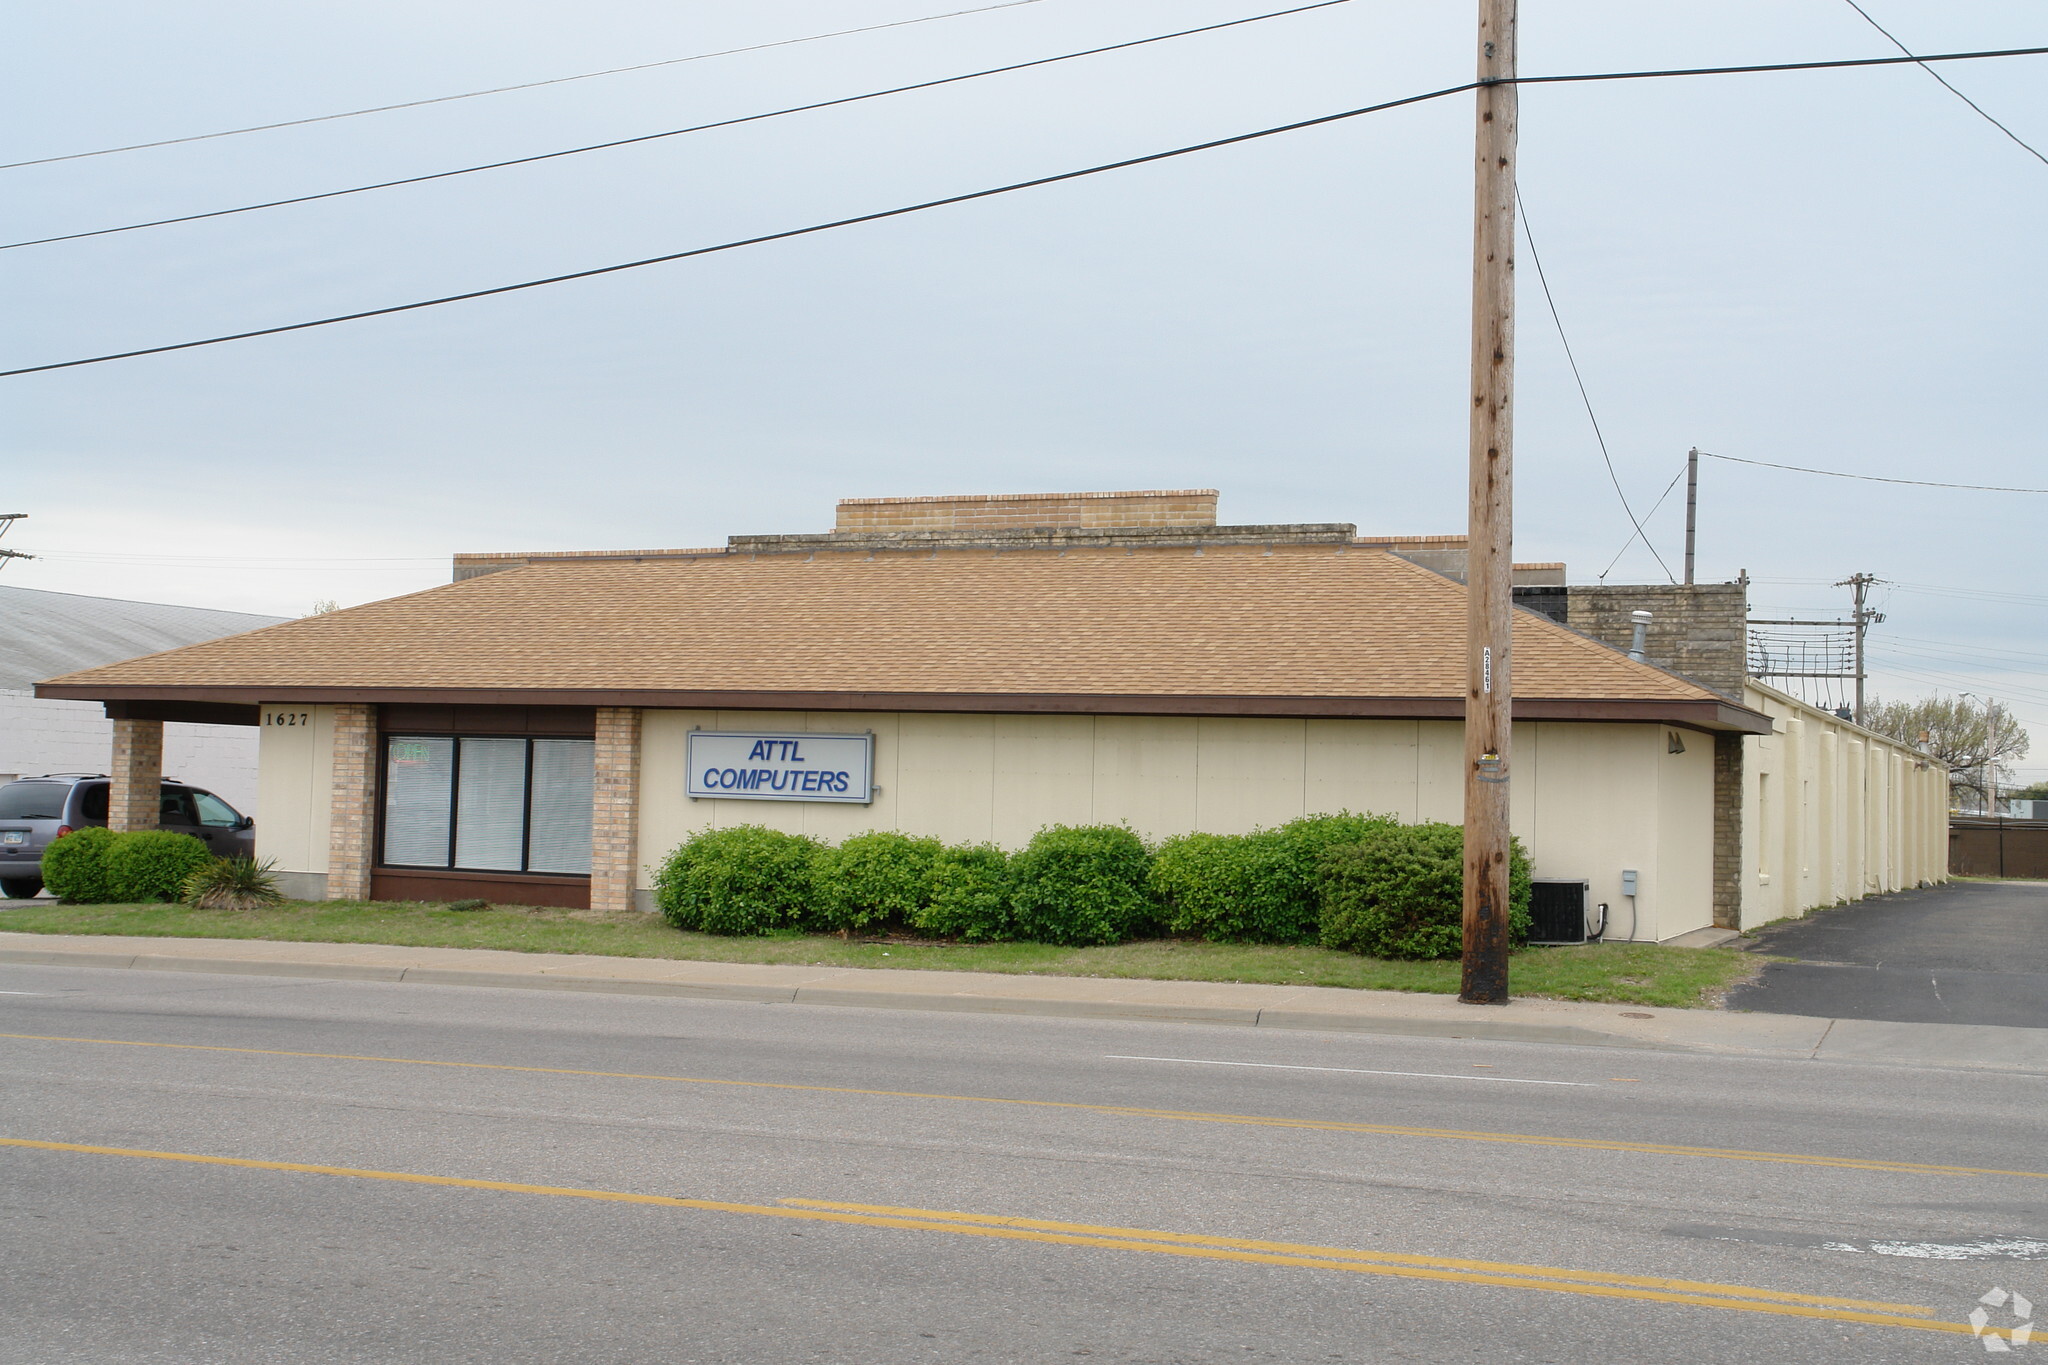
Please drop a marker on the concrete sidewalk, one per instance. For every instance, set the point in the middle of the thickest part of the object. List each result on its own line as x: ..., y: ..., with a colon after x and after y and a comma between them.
x: 1305, y: 1007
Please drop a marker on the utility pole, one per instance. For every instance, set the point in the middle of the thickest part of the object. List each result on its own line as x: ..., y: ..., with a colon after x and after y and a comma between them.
x: 7, y: 520
x: 1863, y: 618
x: 1489, y: 565
x: 1692, y: 506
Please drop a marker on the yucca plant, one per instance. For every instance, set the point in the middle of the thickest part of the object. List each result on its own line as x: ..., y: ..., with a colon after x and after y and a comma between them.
x: 233, y: 884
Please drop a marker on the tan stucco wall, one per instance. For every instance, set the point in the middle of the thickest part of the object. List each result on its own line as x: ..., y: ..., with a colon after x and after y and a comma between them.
x: 1589, y: 799
x: 295, y: 765
x: 1832, y: 812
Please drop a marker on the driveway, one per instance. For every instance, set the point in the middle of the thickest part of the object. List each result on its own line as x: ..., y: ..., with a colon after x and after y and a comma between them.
x: 1965, y: 953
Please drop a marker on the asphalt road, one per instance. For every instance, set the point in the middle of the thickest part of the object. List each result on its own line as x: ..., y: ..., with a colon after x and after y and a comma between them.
x: 202, y: 1168
x: 1964, y: 953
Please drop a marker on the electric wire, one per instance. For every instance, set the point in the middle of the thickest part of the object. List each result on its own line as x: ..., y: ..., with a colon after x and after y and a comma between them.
x: 973, y: 195
x: 1872, y: 478
x: 1599, y: 436
x: 1647, y: 516
x: 506, y: 89
x: 1981, y: 112
x: 673, y: 132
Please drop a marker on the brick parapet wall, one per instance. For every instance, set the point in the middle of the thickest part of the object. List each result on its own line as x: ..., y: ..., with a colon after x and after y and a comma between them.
x: 1701, y: 630
x: 352, y: 822
x: 615, y: 809
x: 1728, y: 831
x: 994, y: 511
x: 136, y: 775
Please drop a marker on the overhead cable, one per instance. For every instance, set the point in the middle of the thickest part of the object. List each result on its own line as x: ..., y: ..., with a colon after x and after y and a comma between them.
x: 1981, y: 111
x: 673, y: 132
x: 1872, y: 478
x: 1598, y: 436
x: 507, y: 89
x: 973, y: 195
x: 1646, y: 517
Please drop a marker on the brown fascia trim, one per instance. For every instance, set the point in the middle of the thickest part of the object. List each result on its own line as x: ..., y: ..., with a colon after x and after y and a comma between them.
x: 1709, y: 715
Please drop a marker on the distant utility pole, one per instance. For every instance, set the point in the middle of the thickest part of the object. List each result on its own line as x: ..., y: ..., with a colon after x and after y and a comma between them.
x: 7, y: 520
x: 1692, y: 506
x: 1489, y: 571
x: 1863, y: 619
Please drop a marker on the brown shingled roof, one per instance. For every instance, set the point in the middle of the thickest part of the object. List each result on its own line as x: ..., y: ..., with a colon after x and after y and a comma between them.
x: 1294, y: 630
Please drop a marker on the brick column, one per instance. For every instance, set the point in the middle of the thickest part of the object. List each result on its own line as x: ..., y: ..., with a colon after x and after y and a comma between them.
x: 135, y: 798
x: 615, y: 809
x: 1728, y: 831
x: 352, y: 815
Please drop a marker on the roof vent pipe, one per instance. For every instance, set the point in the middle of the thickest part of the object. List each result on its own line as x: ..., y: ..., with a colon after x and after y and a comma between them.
x: 1635, y: 647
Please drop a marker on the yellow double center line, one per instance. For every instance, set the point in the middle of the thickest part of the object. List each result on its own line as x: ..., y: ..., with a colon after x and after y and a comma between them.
x: 1129, y: 1111
x: 1550, y: 1279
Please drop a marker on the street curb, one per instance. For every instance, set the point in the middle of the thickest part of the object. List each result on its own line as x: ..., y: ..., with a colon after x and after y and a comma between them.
x: 942, y: 1001
x: 1789, y: 1038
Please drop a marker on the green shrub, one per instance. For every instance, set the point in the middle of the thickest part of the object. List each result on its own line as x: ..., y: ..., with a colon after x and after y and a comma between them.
x: 152, y: 864
x: 1311, y: 836
x: 743, y: 880
x: 970, y: 895
x: 232, y: 884
x: 75, y: 866
x: 880, y: 877
x: 1399, y: 893
x: 1235, y: 888
x: 1080, y: 884
x: 1253, y: 888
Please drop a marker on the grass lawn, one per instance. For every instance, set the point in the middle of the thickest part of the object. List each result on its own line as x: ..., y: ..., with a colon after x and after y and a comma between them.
x: 1621, y: 973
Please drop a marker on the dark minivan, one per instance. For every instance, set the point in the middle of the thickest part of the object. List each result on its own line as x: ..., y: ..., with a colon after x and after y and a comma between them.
x: 36, y: 810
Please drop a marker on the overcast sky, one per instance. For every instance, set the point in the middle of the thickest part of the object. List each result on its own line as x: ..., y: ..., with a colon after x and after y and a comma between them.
x: 1838, y: 269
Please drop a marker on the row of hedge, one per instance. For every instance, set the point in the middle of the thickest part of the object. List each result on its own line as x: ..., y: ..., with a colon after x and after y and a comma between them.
x: 1365, y: 884
x: 97, y: 866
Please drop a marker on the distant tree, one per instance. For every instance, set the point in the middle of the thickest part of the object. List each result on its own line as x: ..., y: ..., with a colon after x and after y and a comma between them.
x: 2037, y: 792
x: 323, y: 606
x: 1970, y: 738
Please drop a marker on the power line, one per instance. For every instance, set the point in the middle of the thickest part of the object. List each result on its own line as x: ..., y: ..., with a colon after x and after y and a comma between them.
x: 673, y: 132
x: 1649, y: 515
x: 506, y: 89
x: 1584, y: 397
x: 1873, y: 478
x: 2030, y: 150
x: 973, y: 195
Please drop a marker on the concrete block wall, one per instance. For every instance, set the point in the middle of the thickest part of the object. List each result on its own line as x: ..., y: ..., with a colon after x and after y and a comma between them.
x: 46, y: 735
x: 1700, y: 630
x: 996, y: 511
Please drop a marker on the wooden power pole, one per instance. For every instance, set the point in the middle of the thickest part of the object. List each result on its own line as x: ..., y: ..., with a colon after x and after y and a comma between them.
x: 1489, y: 570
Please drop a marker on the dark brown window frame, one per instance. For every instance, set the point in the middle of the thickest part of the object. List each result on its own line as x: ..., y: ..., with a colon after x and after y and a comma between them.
x: 381, y: 864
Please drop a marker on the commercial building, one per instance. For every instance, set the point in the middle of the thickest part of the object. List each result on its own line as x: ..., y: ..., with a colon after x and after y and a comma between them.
x: 45, y: 633
x: 546, y: 727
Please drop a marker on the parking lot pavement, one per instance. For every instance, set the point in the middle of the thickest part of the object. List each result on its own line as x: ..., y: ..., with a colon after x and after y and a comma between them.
x: 1964, y: 953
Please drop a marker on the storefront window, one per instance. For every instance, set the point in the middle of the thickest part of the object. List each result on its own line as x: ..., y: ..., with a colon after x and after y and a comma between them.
x: 488, y: 805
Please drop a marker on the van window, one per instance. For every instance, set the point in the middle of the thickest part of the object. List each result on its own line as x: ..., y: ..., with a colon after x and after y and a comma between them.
x: 33, y: 800
x: 215, y: 812
x: 93, y: 804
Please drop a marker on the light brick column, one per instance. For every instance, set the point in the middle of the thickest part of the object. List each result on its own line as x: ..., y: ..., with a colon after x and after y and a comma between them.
x: 352, y: 815
x: 135, y: 796
x: 615, y: 809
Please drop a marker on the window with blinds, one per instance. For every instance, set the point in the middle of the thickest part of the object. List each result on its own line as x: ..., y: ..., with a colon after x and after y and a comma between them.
x: 488, y: 804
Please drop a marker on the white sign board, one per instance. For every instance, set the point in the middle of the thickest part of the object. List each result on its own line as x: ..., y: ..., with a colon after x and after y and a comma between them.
x: 789, y: 767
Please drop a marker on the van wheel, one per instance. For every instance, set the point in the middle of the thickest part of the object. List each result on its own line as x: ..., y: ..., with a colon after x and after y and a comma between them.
x: 20, y: 888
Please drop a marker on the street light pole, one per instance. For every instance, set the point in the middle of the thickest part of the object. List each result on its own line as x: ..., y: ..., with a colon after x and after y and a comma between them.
x: 1489, y: 571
